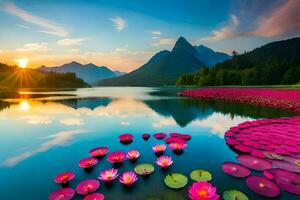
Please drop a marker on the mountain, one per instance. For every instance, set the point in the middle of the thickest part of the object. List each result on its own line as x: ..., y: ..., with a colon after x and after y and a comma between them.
x: 162, y: 69
x: 272, y: 64
x: 209, y: 57
x: 90, y: 73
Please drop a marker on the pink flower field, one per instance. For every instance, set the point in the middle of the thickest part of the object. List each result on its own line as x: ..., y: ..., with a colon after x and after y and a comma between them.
x: 286, y: 99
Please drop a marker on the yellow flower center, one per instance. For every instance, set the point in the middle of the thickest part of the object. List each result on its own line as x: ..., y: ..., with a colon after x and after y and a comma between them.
x: 128, y: 178
x: 64, y: 178
x: 165, y: 162
x: 202, y: 193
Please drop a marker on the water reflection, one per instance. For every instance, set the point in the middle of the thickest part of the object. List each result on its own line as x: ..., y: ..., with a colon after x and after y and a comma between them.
x: 163, y: 114
x: 61, y: 138
x: 54, y: 132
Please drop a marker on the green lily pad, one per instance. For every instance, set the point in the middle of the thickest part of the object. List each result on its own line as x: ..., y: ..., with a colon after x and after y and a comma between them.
x: 297, y: 163
x: 176, y: 180
x: 200, y: 175
x: 144, y: 169
x: 234, y: 195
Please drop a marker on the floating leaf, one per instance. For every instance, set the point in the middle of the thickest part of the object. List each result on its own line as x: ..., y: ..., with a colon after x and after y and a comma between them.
x: 273, y: 156
x: 176, y: 180
x: 234, y: 195
x: 200, y: 175
x: 144, y: 169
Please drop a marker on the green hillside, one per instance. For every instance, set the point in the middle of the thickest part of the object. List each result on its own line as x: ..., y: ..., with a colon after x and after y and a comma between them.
x: 272, y: 64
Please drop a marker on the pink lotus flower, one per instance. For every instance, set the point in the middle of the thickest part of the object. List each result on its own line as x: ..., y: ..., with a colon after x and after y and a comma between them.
x: 164, y: 161
x: 159, y: 135
x: 62, y: 194
x: 99, y: 151
x: 159, y: 148
x: 87, y: 162
x: 87, y: 186
x: 185, y: 136
x: 133, y: 154
x: 128, y: 178
x: 177, y: 146
x: 108, y: 175
x: 203, y: 191
x: 94, y: 196
x: 126, y: 137
x: 174, y: 140
x: 175, y: 134
x: 116, y: 157
x: 64, y: 177
x: 146, y: 136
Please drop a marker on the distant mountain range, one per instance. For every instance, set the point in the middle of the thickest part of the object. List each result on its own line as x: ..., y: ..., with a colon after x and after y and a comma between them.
x: 166, y: 66
x: 209, y: 57
x: 90, y: 73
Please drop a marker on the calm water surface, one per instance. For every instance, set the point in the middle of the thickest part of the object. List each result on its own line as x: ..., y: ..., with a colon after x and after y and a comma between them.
x: 43, y: 134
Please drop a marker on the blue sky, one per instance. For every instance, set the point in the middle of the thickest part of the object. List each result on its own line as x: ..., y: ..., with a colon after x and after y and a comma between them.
x: 124, y: 34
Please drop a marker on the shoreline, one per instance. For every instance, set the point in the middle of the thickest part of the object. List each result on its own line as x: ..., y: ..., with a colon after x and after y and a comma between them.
x: 286, y: 99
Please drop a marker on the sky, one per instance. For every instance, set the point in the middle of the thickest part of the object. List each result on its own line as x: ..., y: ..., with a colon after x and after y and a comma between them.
x: 124, y: 34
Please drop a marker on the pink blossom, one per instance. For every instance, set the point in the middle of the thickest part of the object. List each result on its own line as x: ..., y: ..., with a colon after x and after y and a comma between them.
x: 128, y: 178
x: 203, y: 191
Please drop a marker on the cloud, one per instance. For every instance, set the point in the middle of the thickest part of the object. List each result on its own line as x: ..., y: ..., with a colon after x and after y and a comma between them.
x: 58, y: 139
x: 22, y: 26
x: 37, y: 119
x: 125, y: 123
x: 283, y: 19
x: 71, y: 41
x: 49, y: 26
x: 164, y: 122
x: 75, y: 50
x: 219, y: 123
x: 156, y: 32
x: 35, y: 47
x: 278, y: 21
x: 119, y: 22
x: 164, y: 41
x: 72, y: 121
x: 226, y: 32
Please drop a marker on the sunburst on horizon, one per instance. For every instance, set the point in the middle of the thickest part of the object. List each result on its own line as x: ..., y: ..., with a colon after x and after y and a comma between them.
x: 22, y: 62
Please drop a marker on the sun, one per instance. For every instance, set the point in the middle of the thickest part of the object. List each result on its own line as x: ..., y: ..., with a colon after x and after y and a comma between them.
x: 24, y: 106
x: 22, y: 62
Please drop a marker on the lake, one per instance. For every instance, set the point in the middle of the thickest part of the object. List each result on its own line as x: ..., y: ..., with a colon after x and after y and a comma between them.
x: 45, y: 133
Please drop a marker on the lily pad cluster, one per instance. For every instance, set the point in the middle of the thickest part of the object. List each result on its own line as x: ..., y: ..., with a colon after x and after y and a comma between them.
x: 270, y: 147
x: 88, y: 188
x: 274, y: 98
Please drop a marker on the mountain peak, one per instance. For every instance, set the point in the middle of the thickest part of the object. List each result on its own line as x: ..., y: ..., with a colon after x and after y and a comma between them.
x: 182, y: 42
x: 183, y: 47
x: 74, y: 63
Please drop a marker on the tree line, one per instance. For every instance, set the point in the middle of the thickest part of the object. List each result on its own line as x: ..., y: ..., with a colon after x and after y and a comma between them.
x: 272, y: 64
